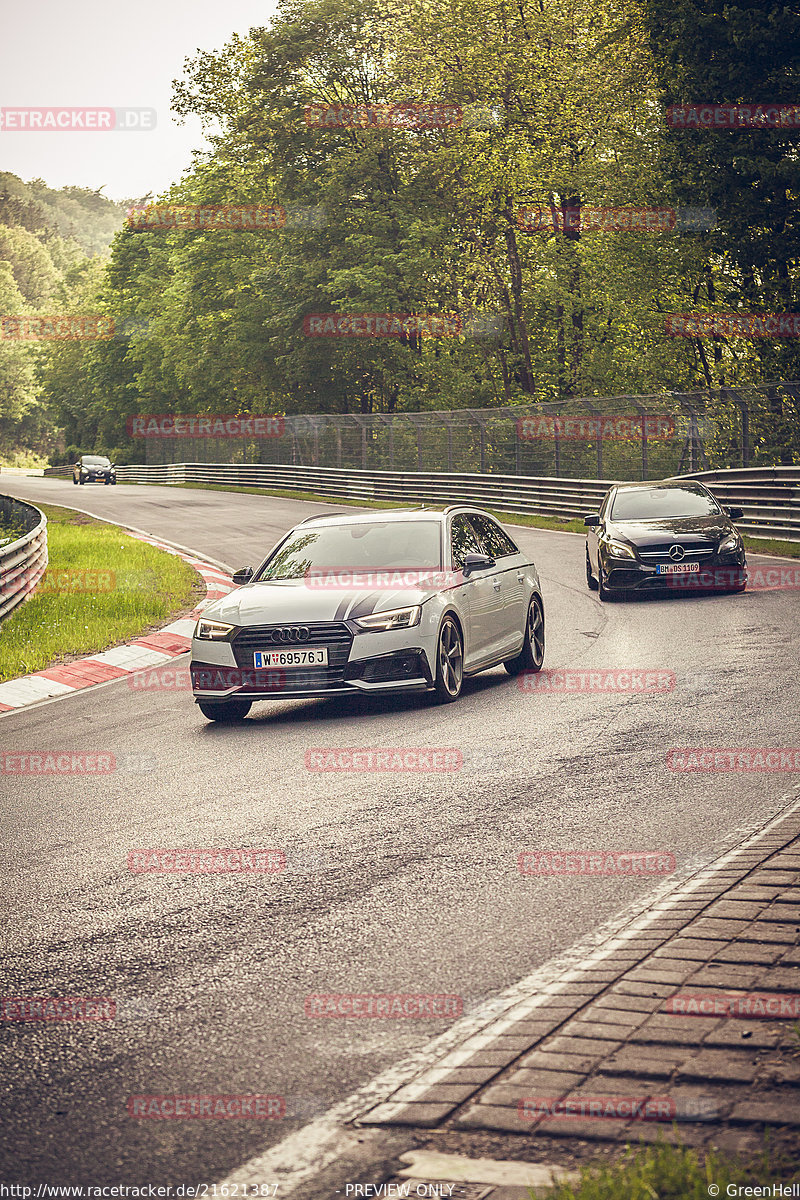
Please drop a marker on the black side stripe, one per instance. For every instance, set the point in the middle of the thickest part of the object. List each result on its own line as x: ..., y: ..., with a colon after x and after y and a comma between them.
x: 365, y: 606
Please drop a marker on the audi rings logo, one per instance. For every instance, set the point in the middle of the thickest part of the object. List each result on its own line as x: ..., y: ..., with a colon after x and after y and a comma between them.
x: 676, y: 553
x: 290, y: 633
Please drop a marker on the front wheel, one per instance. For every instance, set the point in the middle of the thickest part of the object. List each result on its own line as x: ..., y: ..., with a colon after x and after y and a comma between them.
x: 590, y: 579
x: 606, y: 593
x: 531, y: 657
x: 81, y: 481
x: 233, y: 710
x: 449, y: 662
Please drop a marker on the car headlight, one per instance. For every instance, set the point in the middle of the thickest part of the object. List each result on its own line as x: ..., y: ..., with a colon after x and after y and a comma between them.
x: 212, y: 631
x: 730, y: 543
x: 396, y: 618
x: 620, y: 549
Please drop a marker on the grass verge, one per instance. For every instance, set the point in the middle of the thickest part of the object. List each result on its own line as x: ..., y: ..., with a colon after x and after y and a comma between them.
x: 101, y: 587
x: 665, y: 1172
x: 757, y: 545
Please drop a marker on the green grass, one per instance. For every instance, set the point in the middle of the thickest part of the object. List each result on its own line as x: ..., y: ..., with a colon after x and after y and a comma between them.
x: 664, y: 1172
x: 536, y: 522
x: 132, y: 587
x: 757, y: 545
x: 772, y: 546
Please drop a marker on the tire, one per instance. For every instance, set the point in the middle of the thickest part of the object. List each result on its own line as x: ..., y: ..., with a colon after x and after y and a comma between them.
x: 81, y: 482
x: 449, y: 662
x: 591, y: 582
x: 608, y: 594
x: 233, y: 710
x: 531, y: 657
x: 107, y: 482
x: 113, y: 483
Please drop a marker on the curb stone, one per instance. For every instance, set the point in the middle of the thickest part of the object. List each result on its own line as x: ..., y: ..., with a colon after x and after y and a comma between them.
x: 364, y: 1139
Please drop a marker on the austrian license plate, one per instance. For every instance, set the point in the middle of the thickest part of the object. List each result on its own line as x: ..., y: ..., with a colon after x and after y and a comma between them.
x: 677, y: 568
x: 317, y: 657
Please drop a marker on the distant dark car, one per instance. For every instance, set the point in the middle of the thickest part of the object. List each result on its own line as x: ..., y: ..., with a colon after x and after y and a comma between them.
x: 94, y: 468
x: 663, y: 536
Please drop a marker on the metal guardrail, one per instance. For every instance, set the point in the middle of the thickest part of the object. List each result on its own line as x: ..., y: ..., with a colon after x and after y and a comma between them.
x: 769, y: 496
x: 24, y: 561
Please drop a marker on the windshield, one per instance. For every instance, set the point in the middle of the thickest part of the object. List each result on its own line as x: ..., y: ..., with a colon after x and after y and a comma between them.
x: 648, y: 504
x: 95, y: 460
x: 365, y: 546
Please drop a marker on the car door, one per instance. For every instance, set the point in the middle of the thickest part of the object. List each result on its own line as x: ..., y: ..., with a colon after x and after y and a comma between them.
x: 510, y: 573
x: 480, y: 592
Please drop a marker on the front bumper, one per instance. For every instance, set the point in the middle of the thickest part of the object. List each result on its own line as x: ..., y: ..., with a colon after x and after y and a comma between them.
x: 357, y: 663
x: 715, y: 575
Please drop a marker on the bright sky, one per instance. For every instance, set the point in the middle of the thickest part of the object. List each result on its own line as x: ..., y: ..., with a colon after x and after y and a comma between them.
x: 101, y: 55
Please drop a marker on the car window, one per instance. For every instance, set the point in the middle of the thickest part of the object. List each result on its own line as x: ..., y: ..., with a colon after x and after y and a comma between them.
x: 358, y: 546
x: 645, y: 504
x: 495, y: 539
x: 463, y: 541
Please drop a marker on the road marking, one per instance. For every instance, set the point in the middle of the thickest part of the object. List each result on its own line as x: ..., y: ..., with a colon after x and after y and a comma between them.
x: 294, y: 1161
x: 458, y: 1168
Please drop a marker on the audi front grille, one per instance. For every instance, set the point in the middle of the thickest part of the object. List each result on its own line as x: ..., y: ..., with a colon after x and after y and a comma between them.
x: 333, y: 634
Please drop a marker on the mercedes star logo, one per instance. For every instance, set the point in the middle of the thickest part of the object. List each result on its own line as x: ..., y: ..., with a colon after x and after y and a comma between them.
x: 676, y: 553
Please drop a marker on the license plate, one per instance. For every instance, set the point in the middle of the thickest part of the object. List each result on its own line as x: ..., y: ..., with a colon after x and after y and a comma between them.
x: 291, y: 658
x: 677, y: 568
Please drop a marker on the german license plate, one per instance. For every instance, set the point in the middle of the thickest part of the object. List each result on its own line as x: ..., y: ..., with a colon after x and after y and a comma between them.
x: 677, y: 568
x: 318, y: 657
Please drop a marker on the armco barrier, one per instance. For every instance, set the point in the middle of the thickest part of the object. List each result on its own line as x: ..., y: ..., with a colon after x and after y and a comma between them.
x: 769, y: 496
x: 22, y: 562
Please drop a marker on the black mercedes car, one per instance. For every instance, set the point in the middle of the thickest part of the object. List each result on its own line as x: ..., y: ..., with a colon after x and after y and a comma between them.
x: 94, y: 468
x: 663, y: 536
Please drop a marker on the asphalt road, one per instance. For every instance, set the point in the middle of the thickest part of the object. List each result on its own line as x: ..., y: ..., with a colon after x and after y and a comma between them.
x: 396, y: 883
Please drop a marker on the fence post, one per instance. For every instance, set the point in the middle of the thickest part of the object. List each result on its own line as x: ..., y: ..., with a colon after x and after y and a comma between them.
x: 643, y: 422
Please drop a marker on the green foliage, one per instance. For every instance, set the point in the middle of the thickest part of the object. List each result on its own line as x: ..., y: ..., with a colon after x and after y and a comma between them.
x: 75, y: 214
x: 664, y: 1172
x: 46, y: 238
x: 425, y: 220
x: 719, y: 53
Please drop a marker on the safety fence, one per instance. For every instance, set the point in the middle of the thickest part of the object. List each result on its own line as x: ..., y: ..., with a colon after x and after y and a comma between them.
x: 768, y: 496
x: 23, y: 560
x: 608, y: 437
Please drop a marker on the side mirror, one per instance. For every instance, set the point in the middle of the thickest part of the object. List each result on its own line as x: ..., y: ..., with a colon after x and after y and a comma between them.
x: 735, y: 514
x: 243, y: 575
x: 476, y: 562
x: 592, y: 520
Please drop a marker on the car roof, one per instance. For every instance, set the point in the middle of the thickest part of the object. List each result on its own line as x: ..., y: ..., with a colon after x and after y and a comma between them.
x: 658, y: 483
x: 437, y: 513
